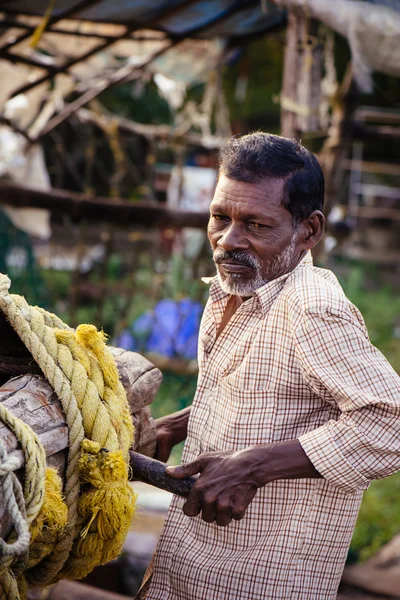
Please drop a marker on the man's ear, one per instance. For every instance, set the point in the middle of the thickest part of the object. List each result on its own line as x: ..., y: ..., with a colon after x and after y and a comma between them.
x: 313, y: 228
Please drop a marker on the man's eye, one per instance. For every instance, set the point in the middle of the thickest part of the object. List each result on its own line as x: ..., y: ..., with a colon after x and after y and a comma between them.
x: 255, y: 225
x: 219, y: 217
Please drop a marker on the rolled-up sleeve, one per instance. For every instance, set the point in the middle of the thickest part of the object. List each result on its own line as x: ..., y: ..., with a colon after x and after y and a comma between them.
x: 341, y: 366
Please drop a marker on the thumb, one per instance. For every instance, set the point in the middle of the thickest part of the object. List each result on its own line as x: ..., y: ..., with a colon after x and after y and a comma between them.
x: 182, y: 471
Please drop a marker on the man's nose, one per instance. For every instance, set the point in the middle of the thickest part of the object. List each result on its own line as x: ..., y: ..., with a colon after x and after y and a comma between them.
x: 233, y: 239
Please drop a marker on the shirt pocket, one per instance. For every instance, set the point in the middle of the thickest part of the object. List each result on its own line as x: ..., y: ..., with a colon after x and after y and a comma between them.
x: 238, y: 418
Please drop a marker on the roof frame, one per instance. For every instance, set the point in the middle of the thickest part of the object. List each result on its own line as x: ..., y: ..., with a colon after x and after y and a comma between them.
x: 85, y: 34
x: 53, y: 71
x: 130, y: 73
x: 82, y: 5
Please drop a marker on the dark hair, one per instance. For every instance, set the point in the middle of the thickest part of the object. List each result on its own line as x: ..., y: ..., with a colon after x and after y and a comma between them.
x: 257, y: 156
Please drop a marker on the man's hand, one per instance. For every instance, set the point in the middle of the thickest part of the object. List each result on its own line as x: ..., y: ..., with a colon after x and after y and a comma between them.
x: 171, y: 430
x: 229, y: 480
x: 225, y: 488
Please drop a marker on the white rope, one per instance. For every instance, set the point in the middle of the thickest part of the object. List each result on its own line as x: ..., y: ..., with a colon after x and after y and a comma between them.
x: 14, y: 505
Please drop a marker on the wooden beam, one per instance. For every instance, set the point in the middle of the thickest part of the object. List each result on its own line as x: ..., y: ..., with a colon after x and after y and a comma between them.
x: 302, y: 71
x: 371, y: 167
x: 338, y: 144
x: 290, y: 71
x: 383, y: 132
x: 372, y: 212
x: 375, y: 114
x: 117, y: 77
x: 64, y: 14
x: 110, y: 210
x: 371, y: 256
x: 128, y: 73
x: 150, y: 132
x: 53, y: 71
x: 374, y: 190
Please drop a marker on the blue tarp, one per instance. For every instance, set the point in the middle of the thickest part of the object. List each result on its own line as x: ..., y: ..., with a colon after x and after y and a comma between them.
x: 200, y: 18
x: 203, y: 18
x: 171, y: 329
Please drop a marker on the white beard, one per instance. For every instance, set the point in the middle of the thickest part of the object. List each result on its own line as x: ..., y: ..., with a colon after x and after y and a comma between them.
x: 237, y: 286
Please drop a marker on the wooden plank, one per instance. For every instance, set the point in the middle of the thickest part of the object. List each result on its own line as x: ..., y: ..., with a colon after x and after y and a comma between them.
x: 151, y: 132
x: 387, y: 258
x: 94, y: 209
x: 384, y: 132
x: 290, y: 70
x: 375, y: 114
x: 377, y: 191
x: 372, y: 212
x: 31, y: 399
x: 73, y: 590
x: 301, y: 85
x: 371, y: 167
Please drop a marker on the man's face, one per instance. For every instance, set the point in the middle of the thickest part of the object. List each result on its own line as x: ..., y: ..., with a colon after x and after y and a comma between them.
x: 251, y: 234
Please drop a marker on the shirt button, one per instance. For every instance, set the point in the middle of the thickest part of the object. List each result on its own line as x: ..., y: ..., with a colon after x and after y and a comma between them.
x: 206, y: 339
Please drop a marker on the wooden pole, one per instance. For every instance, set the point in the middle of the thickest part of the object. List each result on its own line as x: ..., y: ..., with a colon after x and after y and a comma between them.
x: 340, y: 136
x: 154, y: 473
x: 110, y: 210
x: 290, y: 72
x: 301, y: 86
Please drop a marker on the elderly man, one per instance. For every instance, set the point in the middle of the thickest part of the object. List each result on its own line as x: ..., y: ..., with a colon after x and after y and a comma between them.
x: 295, y: 411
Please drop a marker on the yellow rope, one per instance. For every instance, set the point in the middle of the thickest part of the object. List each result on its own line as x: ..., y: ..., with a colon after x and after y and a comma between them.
x: 69, y: 539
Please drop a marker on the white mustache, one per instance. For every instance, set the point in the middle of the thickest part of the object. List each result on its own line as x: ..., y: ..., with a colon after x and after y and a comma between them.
x: 242, y: 258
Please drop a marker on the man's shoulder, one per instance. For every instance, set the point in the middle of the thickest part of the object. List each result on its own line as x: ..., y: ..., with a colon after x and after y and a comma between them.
x: 316, y: 291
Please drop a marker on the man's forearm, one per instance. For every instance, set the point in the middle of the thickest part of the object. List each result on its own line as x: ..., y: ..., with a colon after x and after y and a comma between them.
x: 284, y: 460
x: 171, y: 430
x: 229, y: 479
x: 176, y: 424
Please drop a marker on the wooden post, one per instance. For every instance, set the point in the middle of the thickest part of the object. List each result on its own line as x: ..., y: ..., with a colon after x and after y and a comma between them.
x: 300, y: 94
x: 290, y: 72
x: 337, y: 146
x: 110, y: 210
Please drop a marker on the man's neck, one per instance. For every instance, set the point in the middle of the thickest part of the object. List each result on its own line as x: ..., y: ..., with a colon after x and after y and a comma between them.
x: 232, y: 305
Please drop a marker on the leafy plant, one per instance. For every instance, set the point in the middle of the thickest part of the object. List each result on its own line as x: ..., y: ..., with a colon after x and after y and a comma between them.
x: 379, y: 517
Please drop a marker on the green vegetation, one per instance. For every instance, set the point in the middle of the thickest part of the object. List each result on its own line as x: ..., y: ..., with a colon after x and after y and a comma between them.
x: 379, y: 518
x: 380, y: 307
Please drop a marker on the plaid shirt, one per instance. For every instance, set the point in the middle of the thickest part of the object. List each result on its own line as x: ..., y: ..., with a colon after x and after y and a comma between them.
x: 293, y: 362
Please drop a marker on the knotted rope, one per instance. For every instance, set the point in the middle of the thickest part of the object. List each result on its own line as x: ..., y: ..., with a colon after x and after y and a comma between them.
x: 70, y: 536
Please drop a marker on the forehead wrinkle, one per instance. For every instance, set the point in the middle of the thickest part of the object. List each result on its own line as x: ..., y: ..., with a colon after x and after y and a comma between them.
x: 238, y: 191
x: 245, y: 206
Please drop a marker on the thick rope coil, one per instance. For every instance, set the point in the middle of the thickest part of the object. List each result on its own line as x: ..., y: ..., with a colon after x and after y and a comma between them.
x: 83, y: 374
x: 22, y: 511
x: 35, y: 461
x: 14, y: 505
